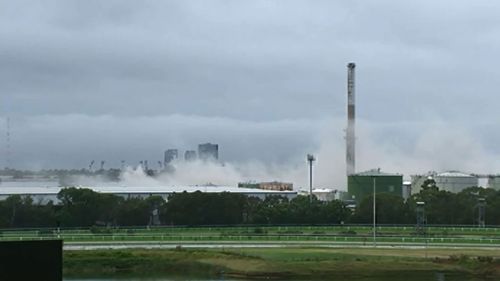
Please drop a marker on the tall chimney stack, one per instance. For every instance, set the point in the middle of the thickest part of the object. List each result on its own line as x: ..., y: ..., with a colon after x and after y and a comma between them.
x: 350, y: 136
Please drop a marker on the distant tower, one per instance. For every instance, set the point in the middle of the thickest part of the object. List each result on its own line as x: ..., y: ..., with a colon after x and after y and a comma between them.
x: 421, y: 220
x: 310, y: 160
x: 208, y: 151
x: 350, y: 136
x: 190, y: 155
x: 169, y: 156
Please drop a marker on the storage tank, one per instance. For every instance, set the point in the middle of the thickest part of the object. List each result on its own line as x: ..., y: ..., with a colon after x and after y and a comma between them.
x: 418, y: 180
x: 325, y: 194
x: 360, y: 185
x: 494, y: 182
x: 406, y: 190
x: 454, y: 181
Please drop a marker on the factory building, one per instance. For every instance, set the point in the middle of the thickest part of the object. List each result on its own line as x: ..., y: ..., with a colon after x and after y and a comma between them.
x: 208, y: 151
x: 170, y: 155
x: 360, y: 185
x: 273, y: 185
x: 45, y: 194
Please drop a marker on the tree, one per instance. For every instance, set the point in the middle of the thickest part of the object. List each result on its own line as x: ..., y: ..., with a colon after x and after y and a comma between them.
x: 85, y: 207
x: 133, y: 212
x: 303, y: 210
x: 335, y: 212
x: 20, y: 211
x: 200, y: 208
x: 272, y: 210
x: 429, y: 185
x: 390, y: 209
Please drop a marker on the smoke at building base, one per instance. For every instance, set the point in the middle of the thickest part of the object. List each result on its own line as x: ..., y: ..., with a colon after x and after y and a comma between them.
x: 400, y: 147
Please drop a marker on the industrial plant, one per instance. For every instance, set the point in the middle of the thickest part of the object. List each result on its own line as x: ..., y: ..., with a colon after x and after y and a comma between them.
x: 359, y: 184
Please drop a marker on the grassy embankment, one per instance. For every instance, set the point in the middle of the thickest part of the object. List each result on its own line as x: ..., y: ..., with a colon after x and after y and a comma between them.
x: 284, y: 263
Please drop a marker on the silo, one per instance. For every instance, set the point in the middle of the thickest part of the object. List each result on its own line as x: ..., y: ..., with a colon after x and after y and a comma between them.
x: 494, y: 182
x: 454, y: 181
x: 406, y: 193
x: 418, y: 180
x: 360, y: 185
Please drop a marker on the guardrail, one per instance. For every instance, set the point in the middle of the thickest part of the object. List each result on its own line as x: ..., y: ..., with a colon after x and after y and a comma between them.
x: 260, y: 238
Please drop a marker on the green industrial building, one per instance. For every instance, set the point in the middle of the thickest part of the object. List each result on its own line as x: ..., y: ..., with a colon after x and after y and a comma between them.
x: 360, y: 185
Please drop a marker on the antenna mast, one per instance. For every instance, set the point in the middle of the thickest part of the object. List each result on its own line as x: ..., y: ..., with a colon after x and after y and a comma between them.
x: 8, y: 162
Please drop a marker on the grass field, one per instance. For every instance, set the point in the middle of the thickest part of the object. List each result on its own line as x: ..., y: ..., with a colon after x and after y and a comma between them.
x: 465, y: 251
x: 285, y: 263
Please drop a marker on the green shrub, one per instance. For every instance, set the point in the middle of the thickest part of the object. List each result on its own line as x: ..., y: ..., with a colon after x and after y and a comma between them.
x: 45, y: 233
x: 259, y: 230
x: 459, y: 258
x: 485, y: 259
x: 100, y: 230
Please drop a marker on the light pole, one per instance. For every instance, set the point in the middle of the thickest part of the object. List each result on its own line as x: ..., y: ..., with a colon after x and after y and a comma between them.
x: 374, y: 212
x: 421, y: 217
x: 421, y: 222
x: 310, y: 159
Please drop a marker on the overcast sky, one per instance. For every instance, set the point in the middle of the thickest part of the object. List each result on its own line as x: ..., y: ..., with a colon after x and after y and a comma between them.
x: 124, y: 80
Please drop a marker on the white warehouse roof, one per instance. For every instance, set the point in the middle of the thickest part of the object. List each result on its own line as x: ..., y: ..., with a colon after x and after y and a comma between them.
x: 13, y: 190
x: 454, y: 174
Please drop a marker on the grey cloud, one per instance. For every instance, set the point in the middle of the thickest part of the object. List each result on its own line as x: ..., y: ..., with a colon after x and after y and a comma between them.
x: 45, y: 141
x: 260, y: 66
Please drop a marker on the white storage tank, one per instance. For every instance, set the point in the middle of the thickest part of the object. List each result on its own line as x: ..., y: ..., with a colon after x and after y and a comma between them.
x: 325, y: 194
x: 494, y: 182
x: 454, y: 181
x: 406, y: 190
x: 418, y: 180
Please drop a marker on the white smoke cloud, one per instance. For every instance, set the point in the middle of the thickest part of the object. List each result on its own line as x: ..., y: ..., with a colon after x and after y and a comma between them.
x: 433, y: 145
x: 252, y: 151
x: 191, y: 173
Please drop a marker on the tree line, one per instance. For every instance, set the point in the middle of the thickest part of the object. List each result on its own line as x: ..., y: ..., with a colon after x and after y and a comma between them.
x: 80, y: 207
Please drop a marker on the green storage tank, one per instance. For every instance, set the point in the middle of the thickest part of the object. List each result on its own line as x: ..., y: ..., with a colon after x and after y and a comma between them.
x: 360, y: 185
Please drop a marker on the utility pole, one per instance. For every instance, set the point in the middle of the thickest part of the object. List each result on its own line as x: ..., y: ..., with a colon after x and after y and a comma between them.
x: 481, y: 212
x: 8, y: 159
x: 374, y: 212
x: 310, y: 159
